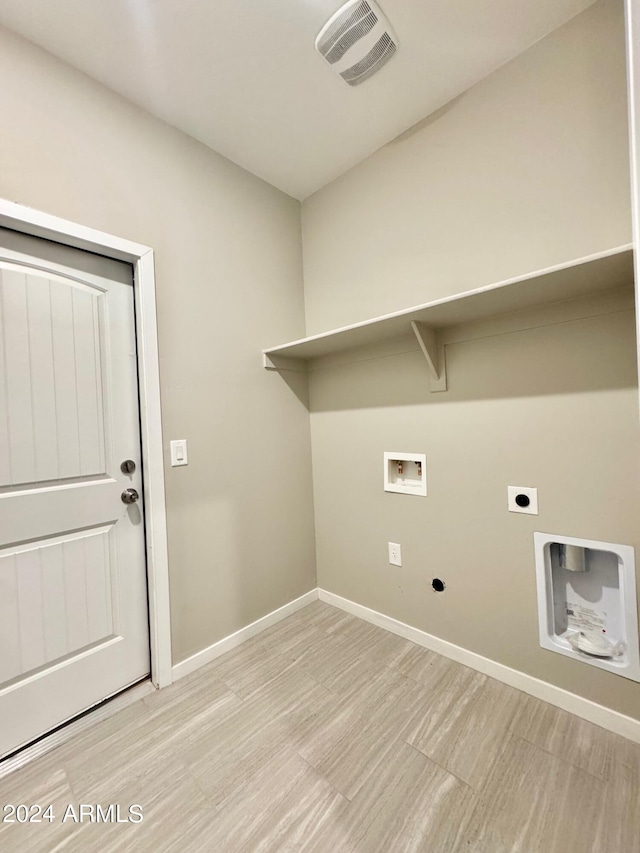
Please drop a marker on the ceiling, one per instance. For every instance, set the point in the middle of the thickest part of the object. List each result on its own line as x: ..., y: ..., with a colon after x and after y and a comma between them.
x: 243, y: 77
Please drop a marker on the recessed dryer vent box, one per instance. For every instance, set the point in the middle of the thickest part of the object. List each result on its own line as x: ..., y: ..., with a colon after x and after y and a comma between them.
x: 405, y: 473
x: 587, y: 602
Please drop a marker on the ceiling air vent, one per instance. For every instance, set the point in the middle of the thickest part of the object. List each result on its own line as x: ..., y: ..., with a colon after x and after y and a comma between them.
x: 357, y: 41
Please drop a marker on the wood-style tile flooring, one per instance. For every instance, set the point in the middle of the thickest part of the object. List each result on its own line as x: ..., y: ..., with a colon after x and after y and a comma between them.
x: 328, y: 734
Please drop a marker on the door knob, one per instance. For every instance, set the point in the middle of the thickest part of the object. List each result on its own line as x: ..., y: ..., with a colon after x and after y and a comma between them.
x: 129, y: 496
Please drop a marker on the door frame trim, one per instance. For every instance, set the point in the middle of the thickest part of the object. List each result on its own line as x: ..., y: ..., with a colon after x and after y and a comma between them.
x: 37, y: 224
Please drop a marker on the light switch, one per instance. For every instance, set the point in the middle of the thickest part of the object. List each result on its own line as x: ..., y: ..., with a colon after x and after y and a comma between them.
x: 179, y: 452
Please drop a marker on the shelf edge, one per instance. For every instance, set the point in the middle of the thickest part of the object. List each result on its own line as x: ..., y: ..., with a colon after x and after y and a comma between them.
x: 280, y: 350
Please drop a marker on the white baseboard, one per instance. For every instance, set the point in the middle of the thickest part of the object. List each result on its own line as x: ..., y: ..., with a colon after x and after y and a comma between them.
x: 599, y: 715
x: 191, y: 664
x: 606, y: 718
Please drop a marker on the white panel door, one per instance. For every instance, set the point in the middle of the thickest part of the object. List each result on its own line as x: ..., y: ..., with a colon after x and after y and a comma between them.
x: 73, y: 596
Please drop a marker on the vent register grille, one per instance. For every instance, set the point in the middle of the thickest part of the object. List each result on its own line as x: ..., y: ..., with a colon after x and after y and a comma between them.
x: 357, y: 41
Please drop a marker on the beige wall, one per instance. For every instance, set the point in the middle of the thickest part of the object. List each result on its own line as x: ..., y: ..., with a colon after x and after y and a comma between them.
x: 527, y: 169
x: 228, y: 270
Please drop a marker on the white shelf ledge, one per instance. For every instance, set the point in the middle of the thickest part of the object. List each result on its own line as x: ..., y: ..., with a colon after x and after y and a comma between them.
x: 599, y: 272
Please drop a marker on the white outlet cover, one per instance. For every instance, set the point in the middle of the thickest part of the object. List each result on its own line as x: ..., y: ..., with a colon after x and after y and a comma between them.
x: 528, y: 491
x: 395, y: 554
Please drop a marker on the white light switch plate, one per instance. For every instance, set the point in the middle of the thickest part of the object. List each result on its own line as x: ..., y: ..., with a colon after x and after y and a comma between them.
x: 179, y: 452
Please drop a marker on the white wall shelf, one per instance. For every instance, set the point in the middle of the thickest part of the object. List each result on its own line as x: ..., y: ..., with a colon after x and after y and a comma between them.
x: 594, y: 273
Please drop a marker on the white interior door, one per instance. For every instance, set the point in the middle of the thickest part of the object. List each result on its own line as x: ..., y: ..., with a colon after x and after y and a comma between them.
x: 73, y: 598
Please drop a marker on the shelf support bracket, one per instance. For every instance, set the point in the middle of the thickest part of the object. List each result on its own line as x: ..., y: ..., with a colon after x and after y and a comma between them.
x: 282, y: 362
x: 433, y: 351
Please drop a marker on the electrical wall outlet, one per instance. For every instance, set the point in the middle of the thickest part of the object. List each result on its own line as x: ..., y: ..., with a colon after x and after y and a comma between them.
x: 522, y: 499
x: 395, y: 554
